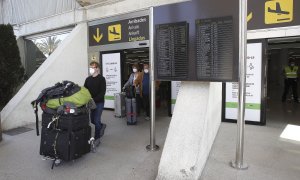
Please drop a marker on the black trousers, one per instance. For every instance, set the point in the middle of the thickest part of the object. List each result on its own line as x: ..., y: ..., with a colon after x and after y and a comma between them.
x: 146, y: 104
x: 290, y: 82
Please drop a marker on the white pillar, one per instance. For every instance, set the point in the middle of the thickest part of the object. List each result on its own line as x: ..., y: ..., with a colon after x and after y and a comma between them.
x: 194, y: 125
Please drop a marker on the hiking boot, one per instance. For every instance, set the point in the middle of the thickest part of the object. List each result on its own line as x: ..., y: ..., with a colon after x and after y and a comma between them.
x: 102, y: 130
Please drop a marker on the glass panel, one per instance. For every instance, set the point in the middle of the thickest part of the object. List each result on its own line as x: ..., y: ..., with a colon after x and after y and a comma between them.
x: 39, y: 49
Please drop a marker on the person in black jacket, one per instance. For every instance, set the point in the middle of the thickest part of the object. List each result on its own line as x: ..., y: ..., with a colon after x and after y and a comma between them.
x: 96, y: 84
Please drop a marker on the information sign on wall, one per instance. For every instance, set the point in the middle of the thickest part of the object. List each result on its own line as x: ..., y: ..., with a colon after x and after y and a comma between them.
x: 253, y: 87
x: 172, y: 51
x: 128, y: 30
x: 214, y: 50
x: 200, y: 14
x: 278, y: 11
x: 264, y: 14
x: 111, y: 71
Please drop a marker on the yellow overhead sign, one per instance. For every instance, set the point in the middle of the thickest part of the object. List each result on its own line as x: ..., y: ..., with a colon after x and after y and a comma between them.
x: 278, y: 11
x: 249, y: 17
x: 114, y: 32
x: 122, y: 31
x: 98, y: 36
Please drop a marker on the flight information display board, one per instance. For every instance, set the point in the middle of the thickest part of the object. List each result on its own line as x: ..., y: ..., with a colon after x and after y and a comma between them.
x: 214, y: 50
x: 172, y: 51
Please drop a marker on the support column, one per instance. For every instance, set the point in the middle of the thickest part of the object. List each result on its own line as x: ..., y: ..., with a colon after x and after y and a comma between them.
x: 152, y: 146
x: 193, y: 128
x: 0, y: 130
x: 238, y: 163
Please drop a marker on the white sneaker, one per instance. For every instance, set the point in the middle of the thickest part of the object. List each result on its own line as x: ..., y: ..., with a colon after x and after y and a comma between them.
x: 57, y: 162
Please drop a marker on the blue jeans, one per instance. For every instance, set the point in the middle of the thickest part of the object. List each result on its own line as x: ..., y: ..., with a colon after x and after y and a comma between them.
x: 96, y: 119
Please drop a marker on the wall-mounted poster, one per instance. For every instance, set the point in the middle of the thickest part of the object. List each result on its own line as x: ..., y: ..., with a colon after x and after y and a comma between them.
x: 253, y: 87
x: 111, y: 71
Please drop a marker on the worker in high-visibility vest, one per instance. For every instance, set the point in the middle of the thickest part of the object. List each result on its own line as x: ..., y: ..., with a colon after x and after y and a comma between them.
x: 291, y: 78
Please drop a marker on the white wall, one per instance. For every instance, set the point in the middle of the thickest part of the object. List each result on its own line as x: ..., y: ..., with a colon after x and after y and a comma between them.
x: 68, y: 62
x: 193, y: 128
x: 126, y: 7
x: 91, y: 13
x: 48, y: 24
x: 274, y: 32
x: 20, y: 11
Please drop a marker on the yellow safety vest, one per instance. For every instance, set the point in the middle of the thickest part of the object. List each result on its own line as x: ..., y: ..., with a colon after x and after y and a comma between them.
x: 291, y: 73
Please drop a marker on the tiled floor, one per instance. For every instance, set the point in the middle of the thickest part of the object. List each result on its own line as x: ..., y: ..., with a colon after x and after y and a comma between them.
x: 122, y: 154
x: 269, y: 157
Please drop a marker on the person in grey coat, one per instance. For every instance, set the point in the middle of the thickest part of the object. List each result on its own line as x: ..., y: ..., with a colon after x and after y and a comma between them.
x: 135, y: 80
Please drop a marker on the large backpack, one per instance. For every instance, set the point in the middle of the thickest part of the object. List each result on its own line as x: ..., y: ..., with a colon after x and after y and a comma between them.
x: 79, y: 99
x: 51, y: 98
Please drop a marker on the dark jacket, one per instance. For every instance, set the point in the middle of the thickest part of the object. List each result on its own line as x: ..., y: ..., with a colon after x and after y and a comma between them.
x: 146, y: 84
x: 97, y: 87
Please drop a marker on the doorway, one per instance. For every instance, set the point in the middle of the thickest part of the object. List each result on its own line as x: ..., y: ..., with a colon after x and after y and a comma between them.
x: 139, y: 56
x: 280, y: 50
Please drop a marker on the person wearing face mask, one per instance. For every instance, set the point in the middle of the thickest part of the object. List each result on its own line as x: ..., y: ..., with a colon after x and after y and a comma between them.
x: 291, y: 78
x: 145, y: 91
x: 135, y: 80
x: 96, y: 84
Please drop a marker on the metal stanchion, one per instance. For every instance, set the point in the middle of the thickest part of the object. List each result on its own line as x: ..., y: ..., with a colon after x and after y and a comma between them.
x: 239, y: 162
x: 0, y: 129
x: 152, y: 146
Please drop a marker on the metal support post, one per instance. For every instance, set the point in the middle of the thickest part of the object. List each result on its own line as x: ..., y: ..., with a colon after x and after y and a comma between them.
x: 152, y: 146
x: 239, y: 162
x: 0, y: 129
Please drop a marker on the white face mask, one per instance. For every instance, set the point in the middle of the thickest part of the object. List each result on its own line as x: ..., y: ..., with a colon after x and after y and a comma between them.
x: 146, y: 70
x: 92, y: 71
x: 134, y: 70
